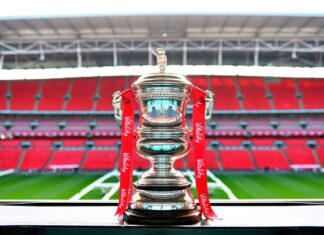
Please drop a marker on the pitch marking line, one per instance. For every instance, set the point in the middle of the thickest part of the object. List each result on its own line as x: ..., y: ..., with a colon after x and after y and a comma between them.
x: 93, y: 185
x: 226, y: 189
x: 6, y: 172
x: 111, y: 192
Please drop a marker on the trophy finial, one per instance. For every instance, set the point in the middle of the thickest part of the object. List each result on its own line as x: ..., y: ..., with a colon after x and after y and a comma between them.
x: 160, y: 58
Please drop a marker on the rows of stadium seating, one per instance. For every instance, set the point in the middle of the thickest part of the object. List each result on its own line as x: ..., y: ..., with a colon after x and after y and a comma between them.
x: 231, y: 93
x: 217, y: 127
x: 103, y: 154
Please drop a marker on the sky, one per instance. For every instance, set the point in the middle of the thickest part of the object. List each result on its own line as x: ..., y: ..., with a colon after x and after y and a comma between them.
x: 20, y: 9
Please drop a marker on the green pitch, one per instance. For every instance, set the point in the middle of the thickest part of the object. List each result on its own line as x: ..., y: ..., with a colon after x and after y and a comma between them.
x: 243, y: 186
x: 18, y: 186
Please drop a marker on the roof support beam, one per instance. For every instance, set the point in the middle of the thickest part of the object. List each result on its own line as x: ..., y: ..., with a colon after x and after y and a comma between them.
x: 2, y: 58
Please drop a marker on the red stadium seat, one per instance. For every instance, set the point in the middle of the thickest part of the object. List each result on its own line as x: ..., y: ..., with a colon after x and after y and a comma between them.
x: 320, y: 152
x: 300, y: 155
x: 231, y: 141
x: 312, y: 91
x: 53, y: 92
x: 141, y: 163
x: 35, y: 158
x: 283, y: 94
x: 9, y: 154
x: 254, y: 94
x: 100, y: 160
x: 66, y: 157
x: 23, y: 95
x: 3, y: 92
x: 263, y: 141
x: 212, y: 163
x: 108, y: 87
x: 225, y: 93
x: 270, y: 159
x: 106, y: 142
x: 236, y: 159
x: 74, y: 142
x: 82, y: 94
x: 200, y: 82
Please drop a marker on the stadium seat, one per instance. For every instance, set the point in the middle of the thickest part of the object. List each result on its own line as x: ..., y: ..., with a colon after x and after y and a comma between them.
x: 230, y: 141
x: 53, y: 92
x: 312, y: 92
x: 212, y: 163
x: 254, y: 94
x: 201, y: 82
x: 225, y: 93
x: 300, y: 156
x: 270, y: 159
x: 263, y: 141
x: 23, y: 95
x: 82, y: 94
x: 35, y: 158
x: 320, y: 152
x: 73, y: 142
x: 235, y: 159
x: 283, y: 94
x: 108, y: 87
x: 66, y: 157
x: 9, y: 154
x: 141, y: 163
x: 3, y: 93
x: 100, y: 160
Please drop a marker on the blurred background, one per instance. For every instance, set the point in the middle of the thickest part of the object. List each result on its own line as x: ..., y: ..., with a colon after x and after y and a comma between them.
x: 60, y: 62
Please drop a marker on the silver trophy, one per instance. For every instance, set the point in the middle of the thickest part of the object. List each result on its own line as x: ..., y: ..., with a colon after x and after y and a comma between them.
x: 162, y: 194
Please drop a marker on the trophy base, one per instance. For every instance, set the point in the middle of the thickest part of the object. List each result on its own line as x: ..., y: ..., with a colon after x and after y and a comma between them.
x: 154, y: 217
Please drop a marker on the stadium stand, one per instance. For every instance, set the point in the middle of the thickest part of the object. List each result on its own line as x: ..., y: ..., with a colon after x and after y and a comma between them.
x: 83, y: 90
x: 202, y: 82
x: 107, y: 88
x: 283, y: 93
x: 9, y: 154
x: 231, y: 93
x: 225, y: 93
x: 66, y: 159
x: 270, y: 159
x: 3, y: 99
x: 236, y: 159
x: 52, y: 95
x: 253, y: 94
x: 23, y: 95
x: 99, y: 159
x: 312, y: 93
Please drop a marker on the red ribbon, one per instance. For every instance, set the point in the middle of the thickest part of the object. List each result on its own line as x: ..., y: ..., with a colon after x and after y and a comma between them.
x: 199, y: 143
x: 126, y: 159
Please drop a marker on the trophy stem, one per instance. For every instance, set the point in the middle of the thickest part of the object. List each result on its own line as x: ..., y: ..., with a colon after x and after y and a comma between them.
x: 162, y: 165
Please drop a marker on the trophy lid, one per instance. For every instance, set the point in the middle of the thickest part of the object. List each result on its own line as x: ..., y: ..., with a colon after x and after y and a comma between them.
x: 161, y: 78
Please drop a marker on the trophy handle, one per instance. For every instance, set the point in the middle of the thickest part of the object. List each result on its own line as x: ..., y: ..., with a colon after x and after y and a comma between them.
x: 209, y: 105
x: 117, y: 108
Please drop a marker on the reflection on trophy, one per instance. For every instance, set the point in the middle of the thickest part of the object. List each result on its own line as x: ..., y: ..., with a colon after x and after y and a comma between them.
x: 162, y: 194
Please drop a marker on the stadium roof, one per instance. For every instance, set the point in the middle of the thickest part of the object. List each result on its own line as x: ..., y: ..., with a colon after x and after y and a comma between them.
x: 175, y: 26
x: 76, y: 8
x: 34, y: 19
